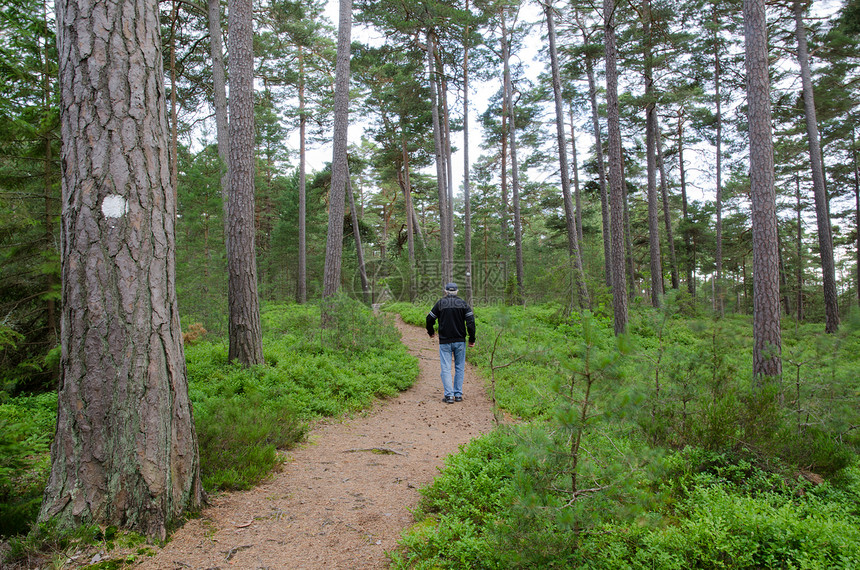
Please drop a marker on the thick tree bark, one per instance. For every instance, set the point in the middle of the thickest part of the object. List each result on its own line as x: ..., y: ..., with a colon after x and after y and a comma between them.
x: 515, y: 176
x: 339, y: 167
x: 667, y: 218
x: 219, y: 95
x: 822, y: 214
x: 125, y: 449
x: 575, y: 260
x: 651, y: 157
x: 244, y: 329
x: 616, y: 179
x: 767, y: 335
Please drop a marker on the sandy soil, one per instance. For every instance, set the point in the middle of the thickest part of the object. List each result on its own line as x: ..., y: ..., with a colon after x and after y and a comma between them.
x: 342, y: 499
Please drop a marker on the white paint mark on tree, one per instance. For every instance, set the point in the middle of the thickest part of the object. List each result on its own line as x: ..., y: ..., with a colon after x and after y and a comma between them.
x: 114, y: 206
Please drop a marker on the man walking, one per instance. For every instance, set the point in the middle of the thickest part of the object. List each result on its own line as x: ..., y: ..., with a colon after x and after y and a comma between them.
x: 455, y: 320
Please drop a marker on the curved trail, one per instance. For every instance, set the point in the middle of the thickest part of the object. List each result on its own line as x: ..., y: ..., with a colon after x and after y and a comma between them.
x: 343, y: 498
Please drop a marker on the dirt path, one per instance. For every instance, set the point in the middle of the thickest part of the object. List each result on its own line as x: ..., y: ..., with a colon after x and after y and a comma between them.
x: 336, y: 504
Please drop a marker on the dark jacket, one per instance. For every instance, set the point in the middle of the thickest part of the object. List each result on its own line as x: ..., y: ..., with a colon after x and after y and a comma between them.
x: 455, y: 318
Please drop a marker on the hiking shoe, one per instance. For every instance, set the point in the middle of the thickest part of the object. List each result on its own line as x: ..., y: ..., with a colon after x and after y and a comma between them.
x: 458, y: 398
x: 448, y: 399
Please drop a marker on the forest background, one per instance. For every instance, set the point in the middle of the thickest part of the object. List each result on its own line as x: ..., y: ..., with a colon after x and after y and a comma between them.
x: 512, y: 235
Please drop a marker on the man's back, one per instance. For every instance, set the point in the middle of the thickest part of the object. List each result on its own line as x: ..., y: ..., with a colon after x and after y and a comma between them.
x: 456, y: 320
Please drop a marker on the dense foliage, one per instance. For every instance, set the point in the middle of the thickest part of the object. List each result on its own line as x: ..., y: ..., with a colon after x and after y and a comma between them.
x: 652, y: 450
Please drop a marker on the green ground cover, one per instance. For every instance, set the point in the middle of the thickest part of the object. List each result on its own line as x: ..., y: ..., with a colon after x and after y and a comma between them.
x: 243, y: 416
x: 656, y: 450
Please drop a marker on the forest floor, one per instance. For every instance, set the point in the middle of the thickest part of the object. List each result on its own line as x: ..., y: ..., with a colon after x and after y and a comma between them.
x: 343, y: 498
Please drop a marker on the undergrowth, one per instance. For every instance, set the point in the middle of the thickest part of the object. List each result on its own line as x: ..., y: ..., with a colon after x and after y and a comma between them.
x: 653, y: 450
x: 243, y: 416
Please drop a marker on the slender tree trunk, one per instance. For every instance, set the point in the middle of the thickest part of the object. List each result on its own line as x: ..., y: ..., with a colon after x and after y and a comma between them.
x: 719, y: 163
x: 822, y: 214
x: 125, y: 449
x: 856, y: 208
x: 449, y: 170
x: 410, y: 221
x: 619, y: 291
x: 515, y: 181
x: 799, y: 248
x: 219, y: 90
x: 504, y: 182
x: 48, y: 185
x: 767, y: 335
x: 575, y: 260
x: 441, y: 176
x: 356, y: 234
x: 245, y: 331
x: 577, y: 195
x: 651, y: 156
x: 670, y: 235
x: 174, y: 117
x: 467, y: 199
x: 688, y: 246
x: 632, y: 282
x: 783, y: 280
x: 302, y: 288
x: 340, y: 169
x: 601, y: 171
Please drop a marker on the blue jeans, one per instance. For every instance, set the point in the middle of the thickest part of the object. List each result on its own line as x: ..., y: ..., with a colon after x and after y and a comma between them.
x: 458, y: 350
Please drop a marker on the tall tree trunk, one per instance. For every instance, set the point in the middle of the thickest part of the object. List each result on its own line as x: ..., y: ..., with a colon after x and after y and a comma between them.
x: 667, y: 218
x: 783, y: 279
x: 219, y: 95
x: 505, y: 241
x: 356, y: 234
x: 340, y: 169
x: 441, y: 177
x: 515, y: 180
x: 402, y: 174
x: 449, y: 170
x: 575, y: 260
x: 856, y: 208
x: 719, y: 162
x: 799, y: 206
x: 601, y: 171
x: 174, y: 117
x: 302, y: 288
x: 767, y: 335
x: 822, y: 214
x: 48, y: 186
x: 125, y: 449
x: 577, y: 194
x: 467, y: 199
x: 651, y: 155
x: 690, y: 254
x: 632, y: 282
x: 245, y: 331
x: 619, y: 291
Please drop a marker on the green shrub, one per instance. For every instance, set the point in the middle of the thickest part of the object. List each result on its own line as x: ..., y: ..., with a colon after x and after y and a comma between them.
x: 239, y: 436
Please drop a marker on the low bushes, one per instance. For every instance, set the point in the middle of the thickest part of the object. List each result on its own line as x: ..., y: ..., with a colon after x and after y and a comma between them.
x: 653, y: 450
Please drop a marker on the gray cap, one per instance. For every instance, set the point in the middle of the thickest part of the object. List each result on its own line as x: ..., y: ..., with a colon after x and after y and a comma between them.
x: 451, y: 287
